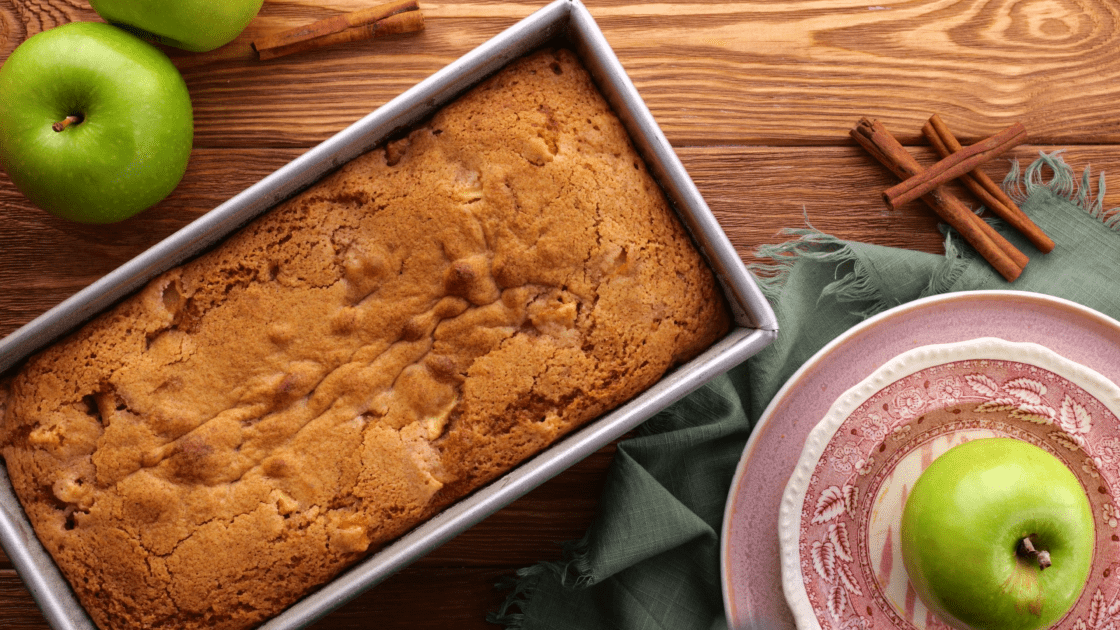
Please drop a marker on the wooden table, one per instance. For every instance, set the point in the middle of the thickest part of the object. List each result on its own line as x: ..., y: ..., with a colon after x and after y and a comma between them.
x: 756, y: 97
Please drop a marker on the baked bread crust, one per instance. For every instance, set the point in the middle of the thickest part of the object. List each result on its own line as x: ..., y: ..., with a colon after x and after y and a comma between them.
x: 408, y: 329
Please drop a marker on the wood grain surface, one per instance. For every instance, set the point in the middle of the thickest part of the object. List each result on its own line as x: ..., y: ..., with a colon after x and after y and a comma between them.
x: 756, y: 96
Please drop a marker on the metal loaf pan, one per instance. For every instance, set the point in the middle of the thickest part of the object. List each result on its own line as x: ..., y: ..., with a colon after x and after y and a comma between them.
x: 564, y: 22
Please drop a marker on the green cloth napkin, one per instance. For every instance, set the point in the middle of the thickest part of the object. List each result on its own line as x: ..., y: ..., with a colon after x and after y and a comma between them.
x: 651, y: 558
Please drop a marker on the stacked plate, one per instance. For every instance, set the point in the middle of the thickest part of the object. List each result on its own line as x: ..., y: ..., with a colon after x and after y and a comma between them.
x: 811, y: 534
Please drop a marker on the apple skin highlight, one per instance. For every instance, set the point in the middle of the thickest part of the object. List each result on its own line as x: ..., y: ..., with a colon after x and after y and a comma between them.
x: 963, y: 523
x: 132, y: 140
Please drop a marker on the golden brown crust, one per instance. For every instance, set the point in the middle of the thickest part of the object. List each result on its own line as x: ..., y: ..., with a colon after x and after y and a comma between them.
x: 408, y: 329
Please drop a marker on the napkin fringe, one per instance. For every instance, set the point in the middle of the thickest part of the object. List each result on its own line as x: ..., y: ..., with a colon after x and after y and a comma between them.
x: 1020, y: 185
x: 949, y: 271
x: 572, y: 571
x: 852, y: 284
x: 524, y: 585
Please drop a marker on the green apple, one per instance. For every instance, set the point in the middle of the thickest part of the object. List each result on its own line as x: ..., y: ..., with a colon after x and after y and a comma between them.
x: 95, y: 124
x: 197, y: 25
x: 997, y: 534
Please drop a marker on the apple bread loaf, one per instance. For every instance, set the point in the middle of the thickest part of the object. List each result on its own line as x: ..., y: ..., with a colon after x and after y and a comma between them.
x: 339, y: 370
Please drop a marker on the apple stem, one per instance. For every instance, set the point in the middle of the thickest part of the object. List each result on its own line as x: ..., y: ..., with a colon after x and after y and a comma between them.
x: 72, y: 119
x: 1027, y: 548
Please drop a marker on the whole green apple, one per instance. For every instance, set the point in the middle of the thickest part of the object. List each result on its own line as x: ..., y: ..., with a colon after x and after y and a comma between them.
x: 95, y: 124
x: 997, y: 534
x: 197, y: 25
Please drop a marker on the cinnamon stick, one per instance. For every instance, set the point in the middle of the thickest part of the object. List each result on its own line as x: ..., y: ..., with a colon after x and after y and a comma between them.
x: 399, y: 16
x: 943, y: 149
x: 955, y: 165
x: 989, y: 192
x: 1001, y: 254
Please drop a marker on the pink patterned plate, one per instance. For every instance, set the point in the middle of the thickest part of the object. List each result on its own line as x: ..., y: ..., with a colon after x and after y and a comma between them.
x: 841, y: 563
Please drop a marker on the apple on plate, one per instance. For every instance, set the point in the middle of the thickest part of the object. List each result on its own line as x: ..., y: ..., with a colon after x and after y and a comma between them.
x: 196, y: 25
x: 998, y: 534
x: 95, y: 124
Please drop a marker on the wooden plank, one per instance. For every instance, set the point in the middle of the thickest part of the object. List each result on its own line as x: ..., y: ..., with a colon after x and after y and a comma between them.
x: 791, y: 72
x: 424, y: 598
x: 17, y: 609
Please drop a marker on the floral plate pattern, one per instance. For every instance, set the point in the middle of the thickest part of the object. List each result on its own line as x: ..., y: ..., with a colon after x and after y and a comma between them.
x: 838, y: 524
